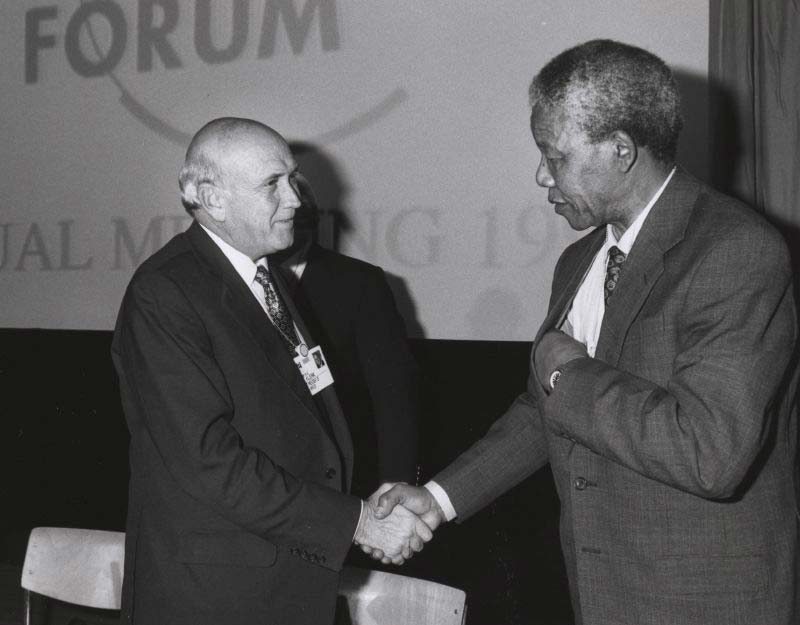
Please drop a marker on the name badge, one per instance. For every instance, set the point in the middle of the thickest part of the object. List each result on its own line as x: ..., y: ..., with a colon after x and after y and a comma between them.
x: 314, y: 368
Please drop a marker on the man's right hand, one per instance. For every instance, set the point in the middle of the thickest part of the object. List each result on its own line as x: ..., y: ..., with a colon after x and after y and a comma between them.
x: 391, y: 536
x: 417, y: 499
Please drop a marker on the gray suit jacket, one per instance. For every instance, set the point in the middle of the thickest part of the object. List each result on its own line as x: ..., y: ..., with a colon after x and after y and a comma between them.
x: 673, y: 449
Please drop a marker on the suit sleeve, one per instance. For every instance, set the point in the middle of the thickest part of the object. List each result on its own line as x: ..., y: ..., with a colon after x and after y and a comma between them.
x: 392, y: 378
x: 178, y: 398
x: 513, y: 449
x: 702, y: 430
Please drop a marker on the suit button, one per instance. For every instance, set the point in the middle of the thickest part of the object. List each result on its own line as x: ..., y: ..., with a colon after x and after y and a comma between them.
x: 580, y: 483
x: 330, y: 473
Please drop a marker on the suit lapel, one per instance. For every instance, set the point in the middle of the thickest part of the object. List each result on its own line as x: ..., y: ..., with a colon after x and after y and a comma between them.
x: 245, y: 310
x: 336, y: 423
x: 663, y: 229
x: 564, y: 293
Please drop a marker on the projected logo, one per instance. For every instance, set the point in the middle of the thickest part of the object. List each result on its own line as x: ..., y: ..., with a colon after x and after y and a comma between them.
x: 96, y: 34
x: 172, y: 64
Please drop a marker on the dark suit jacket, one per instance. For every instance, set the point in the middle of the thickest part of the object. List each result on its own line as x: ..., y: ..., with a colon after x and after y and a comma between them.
x: 237, y: 511
x: 672, y: 449
x: 351, y: 311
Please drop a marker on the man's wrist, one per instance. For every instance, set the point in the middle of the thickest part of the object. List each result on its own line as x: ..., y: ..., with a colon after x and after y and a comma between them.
x: 358, y: 525
x: 557, y: 374
x: 442, y: 499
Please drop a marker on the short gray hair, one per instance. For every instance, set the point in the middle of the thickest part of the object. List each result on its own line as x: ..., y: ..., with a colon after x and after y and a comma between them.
x: 615, y: 87
x: 195, y: 171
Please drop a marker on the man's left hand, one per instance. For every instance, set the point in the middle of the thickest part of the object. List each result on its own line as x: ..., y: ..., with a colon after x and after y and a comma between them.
x: 554, y: 350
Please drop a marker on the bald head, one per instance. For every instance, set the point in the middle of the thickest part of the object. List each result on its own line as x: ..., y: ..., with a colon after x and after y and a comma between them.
x: 209, y: 155
x: 238, y: 180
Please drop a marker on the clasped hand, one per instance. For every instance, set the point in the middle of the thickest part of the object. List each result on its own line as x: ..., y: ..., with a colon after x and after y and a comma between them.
x: 397, y: 521
x: 553, y: 350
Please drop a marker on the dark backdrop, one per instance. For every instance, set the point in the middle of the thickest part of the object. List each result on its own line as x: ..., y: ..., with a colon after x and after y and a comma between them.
x: 63, y: 461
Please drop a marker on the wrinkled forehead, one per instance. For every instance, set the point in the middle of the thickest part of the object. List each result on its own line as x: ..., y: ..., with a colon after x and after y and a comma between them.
x: 257, y: 154
x: 554, y: 125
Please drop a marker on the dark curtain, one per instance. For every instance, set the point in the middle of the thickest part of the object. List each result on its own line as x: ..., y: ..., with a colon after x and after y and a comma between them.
x: 754, y: 72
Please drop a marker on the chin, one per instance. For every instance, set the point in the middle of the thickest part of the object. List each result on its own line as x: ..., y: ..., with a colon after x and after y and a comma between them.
x: 575, y: 221
x: 571, y: 215
x: 578, y: 225
x: 278, y: 244
x: 287, y: 240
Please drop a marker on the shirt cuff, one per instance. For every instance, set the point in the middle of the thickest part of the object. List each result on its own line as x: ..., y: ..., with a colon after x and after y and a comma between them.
x: 358, y: 525
x: 442, y: 499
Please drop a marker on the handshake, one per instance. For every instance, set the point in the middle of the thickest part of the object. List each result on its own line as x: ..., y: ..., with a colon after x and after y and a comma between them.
x: 396, y: 521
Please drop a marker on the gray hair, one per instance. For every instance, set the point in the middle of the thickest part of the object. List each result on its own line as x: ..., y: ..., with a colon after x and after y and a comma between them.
x: 196, y: 171
x: 614, y: 86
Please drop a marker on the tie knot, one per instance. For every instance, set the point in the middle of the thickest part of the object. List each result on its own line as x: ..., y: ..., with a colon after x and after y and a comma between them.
x: 615, y: 259
x: 615, y: 256
x: 262, y: 275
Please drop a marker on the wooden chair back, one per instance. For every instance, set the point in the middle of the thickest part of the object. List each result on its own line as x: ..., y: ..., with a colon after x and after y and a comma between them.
x: 378, y: 598
x: 79, y: 566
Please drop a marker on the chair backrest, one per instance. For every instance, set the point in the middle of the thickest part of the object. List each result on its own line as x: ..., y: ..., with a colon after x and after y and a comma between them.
x: 78, y: 566
x: 85, y: 567
x: 378, y: 598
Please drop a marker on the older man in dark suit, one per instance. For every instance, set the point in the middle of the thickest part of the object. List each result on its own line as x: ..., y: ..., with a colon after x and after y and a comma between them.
x: 240, y: 457
x: 661, y: 390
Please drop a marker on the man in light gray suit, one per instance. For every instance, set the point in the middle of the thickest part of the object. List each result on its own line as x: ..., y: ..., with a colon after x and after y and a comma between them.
x: 661, y: 390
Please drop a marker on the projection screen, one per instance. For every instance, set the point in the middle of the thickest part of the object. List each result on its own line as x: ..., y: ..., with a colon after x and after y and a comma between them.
x: 409, y: 118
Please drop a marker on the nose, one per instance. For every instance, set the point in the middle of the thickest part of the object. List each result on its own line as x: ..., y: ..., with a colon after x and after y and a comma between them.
x: 543, y: 176
x: 290, y: 198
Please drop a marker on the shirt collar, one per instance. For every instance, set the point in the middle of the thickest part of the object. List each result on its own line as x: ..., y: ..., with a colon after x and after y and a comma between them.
x: 242, y: 263
x: 625, y: 242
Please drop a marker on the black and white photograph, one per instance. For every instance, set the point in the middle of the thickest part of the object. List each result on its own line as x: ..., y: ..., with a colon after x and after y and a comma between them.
x: 327, y: 312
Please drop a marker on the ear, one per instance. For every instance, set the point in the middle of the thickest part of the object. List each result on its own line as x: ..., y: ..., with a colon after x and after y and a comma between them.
x: 212, y: 200
x: 624, y: 149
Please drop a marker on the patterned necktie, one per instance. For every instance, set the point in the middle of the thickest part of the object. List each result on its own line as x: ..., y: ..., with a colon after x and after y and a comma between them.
x: 276, y: 308
x: 615, y: 259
